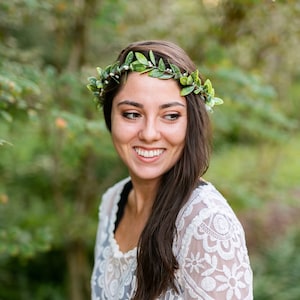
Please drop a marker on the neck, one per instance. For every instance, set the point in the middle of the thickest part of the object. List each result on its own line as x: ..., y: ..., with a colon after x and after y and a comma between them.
x: 142, y: 197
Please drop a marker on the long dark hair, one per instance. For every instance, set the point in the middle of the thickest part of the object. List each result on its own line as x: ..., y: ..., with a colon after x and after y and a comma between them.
x: 156, y: 263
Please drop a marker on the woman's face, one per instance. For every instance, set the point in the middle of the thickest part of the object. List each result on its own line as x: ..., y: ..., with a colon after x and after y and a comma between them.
x: 149, y: 121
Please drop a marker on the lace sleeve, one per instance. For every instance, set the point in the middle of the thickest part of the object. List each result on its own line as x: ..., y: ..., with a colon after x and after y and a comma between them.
x: 212, y: 254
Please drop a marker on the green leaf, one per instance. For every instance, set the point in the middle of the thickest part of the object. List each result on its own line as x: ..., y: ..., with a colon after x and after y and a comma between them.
x: 175, y: 70
x: 129, y: 58
x: 152, y: 57
x: 161, y: 65
x: 196, y: 78
x: 92, y: 87
x: 183, y: 80
x: 195, y: 75
x: 99, y: 84
x: 187, y: 90
x: 189, y: 80
x: 166, y: 76
x: 105, y: 73
x: 208, y: 84
x: 155, y: 73
x: 92, y: 80
x: 141, y: 58
x: 136, y: 66
x: 198, y: 90
x: 218, y: 101
x: 114, y: 68
x: 100, y: 71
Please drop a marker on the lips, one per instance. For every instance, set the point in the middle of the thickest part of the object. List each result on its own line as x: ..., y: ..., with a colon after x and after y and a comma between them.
x: 148, y: 153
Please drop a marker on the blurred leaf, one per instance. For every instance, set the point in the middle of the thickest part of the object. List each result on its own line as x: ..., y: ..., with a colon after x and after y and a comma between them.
x: 277, y: 269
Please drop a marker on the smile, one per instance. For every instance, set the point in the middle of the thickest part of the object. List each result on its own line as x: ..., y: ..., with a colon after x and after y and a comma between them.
x: 148, y: 153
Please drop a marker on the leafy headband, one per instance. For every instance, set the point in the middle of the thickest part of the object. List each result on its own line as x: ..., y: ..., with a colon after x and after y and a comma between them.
x: 137, y: 62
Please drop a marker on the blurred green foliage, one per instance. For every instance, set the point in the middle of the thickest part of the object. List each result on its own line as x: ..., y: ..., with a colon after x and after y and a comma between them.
x: 278, y: 269
x: 56, y: 157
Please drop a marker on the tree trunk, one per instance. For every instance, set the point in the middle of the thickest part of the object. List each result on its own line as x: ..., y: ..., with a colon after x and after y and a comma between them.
x: 79, y: 272
x: 85, y: 9
x: 79, y: 268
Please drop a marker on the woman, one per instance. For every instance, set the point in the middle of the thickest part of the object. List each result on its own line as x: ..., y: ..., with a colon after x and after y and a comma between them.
x: 164, y: 232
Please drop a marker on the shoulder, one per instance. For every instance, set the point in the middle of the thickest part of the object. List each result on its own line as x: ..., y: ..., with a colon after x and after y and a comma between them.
x: 206, y: 217
x: 205, y: 201
x: 112, y: 195
x: 210, y: 248
x: 116, y: 188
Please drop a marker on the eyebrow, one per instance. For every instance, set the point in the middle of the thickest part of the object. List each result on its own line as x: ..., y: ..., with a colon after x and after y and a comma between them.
x: 131, y: 103
x: 139, y: 105
x: 170, y: 104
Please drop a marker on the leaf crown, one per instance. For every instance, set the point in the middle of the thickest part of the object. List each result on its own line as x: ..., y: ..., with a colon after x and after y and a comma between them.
x: 137, y: 62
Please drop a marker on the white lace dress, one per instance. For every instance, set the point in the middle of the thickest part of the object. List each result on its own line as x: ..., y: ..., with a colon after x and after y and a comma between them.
x: 210, y: 249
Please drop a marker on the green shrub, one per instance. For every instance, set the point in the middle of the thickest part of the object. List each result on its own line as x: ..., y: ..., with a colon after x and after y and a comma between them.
x: 277, y: 269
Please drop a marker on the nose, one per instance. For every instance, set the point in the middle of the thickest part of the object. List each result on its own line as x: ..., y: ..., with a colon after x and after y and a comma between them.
x: 150, y: 131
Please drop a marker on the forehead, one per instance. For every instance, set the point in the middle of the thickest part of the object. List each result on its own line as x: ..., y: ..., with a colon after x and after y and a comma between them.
x: 142, y: 87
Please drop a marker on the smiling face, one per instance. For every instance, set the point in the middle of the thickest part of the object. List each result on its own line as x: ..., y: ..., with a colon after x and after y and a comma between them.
x: 149, y: 121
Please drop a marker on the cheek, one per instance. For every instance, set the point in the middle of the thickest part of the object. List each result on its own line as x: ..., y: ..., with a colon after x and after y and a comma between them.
x: 118, y: 143
x: 121, y: 135
x: 179, y: 135
x: 116, y: 135
x: 116, y: 128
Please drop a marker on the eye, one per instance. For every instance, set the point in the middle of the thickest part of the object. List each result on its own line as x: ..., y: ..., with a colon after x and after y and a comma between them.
x: 172, y: 116
x: 131, y: 115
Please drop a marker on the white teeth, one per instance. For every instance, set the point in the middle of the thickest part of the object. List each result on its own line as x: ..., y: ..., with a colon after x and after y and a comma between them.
x: 148, y: 154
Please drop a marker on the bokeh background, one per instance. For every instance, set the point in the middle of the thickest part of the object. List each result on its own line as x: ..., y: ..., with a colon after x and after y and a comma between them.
x: 56, y: 157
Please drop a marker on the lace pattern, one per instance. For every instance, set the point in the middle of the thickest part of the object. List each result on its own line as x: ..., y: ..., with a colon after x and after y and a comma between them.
x: 210, y: 249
